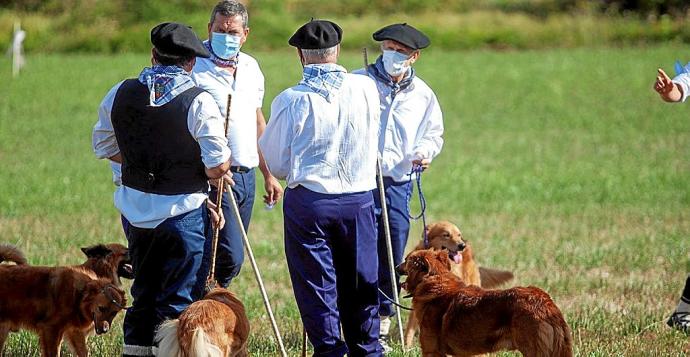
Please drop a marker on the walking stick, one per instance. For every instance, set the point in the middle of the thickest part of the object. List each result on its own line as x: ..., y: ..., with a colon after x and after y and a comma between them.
x: 386, y: 229
x: 304, y: 342
x: 257, y: 274
x: 214, y: 246
x: 210, y: 281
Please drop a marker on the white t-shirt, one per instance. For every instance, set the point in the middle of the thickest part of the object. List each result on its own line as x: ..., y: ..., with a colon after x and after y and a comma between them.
x: 247, y: 89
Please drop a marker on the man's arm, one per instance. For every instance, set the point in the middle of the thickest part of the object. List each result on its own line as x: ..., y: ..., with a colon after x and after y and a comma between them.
x: 103, y: 136
x: 275, y: 142
x: 274, y: 191
x: 430, y: 138
x: 668, y: 90
x: 206, y: 125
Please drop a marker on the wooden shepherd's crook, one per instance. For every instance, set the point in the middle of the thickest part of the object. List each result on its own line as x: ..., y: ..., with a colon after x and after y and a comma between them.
x: 210, y: 281
x: 386, y: 229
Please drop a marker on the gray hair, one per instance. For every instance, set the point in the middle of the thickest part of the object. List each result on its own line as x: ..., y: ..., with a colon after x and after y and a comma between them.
x: 321, y: 55
x: 230, y: 8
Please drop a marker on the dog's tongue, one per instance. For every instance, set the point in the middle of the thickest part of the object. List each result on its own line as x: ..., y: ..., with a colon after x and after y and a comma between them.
x: 457, y: 258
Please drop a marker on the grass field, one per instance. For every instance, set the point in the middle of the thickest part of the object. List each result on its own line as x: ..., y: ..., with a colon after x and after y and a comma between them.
x: 561, y: 165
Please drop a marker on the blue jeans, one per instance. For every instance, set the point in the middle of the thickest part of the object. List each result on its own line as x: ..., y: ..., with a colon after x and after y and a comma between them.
x: 230, y: 254
x: 330, y: 245
x: 165, y: 261
x: 399, y: 223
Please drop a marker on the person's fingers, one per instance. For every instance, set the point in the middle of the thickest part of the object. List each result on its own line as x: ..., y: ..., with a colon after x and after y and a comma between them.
x: 664, y: 75
x: 221, y: 220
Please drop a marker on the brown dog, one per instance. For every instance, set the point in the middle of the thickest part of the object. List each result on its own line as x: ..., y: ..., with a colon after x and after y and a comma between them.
x: 215, y: 326
x: 446, y: 236
x: 461, y: 320
x: 62, y: 301
x: 108, y: 261
x: 56, y: 302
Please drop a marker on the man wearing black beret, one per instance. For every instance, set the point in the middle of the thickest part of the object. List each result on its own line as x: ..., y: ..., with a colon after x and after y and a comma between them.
x: 322, y: 139
x: 168, y: 135
x: 410, y: 137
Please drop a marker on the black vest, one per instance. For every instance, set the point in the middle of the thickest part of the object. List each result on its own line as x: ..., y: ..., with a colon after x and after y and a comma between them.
x: 159, y: 155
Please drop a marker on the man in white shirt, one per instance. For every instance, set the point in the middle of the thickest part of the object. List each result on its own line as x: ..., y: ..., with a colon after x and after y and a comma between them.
x: 168, y: 135
x: 229, y: 71
x: 322, y: 138
x: 410, y: 135
x: 676, y: 90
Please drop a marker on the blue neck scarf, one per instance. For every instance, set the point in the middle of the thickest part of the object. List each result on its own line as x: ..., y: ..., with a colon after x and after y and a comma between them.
x: 379, y: 72
x: 680, y: 69
x: 165, y: 83
x: 219, y: 61
x: 323, y: 78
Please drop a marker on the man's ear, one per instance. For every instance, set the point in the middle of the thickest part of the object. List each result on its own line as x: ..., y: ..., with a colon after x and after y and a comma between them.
x: 415, y: 56
x: 244, y: 38
x: 96, y: 251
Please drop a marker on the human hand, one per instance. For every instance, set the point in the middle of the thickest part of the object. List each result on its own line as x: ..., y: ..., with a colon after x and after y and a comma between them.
x: 227, y: 180
x: 423, y: 163
x: 668, y: 90
x: 217, y: 219
x: 274, y: 191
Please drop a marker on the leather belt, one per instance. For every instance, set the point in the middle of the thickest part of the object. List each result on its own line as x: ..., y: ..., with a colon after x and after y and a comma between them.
x: 240, y: 169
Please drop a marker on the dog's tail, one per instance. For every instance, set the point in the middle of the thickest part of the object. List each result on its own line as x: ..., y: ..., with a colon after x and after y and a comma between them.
x: 10, y: 253
x: 563, y: 341
x: 166, y: 337
x: 202, y: 345
x: 560, y: 344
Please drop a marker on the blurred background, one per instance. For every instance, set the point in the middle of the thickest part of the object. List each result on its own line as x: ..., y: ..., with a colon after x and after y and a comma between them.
x: 111, y: 26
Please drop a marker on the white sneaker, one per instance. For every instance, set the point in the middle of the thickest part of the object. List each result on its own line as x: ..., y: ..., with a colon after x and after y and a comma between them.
x: 384, y: 340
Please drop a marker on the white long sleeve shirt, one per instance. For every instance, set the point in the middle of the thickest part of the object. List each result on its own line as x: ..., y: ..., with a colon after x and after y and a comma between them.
x: 247, y: 89
x: 411, y: 127
x: 148, y: 210
x: 683, y: 80
x: 327, y: 147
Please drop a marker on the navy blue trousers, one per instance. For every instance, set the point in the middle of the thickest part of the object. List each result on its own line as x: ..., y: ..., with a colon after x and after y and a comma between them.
x: 330, y: 245
x: 165, y: 261
x: 230, y: 255
x: 399, y: 222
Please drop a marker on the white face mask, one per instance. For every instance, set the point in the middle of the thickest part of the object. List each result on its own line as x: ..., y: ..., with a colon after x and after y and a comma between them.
x: 395, y: 62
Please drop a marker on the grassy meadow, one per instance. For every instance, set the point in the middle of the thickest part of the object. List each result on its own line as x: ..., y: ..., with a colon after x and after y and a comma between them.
x: 560, y: 165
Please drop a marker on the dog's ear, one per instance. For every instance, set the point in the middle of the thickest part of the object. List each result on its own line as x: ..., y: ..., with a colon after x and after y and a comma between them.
x: 429, y: 227
x: 96, y: 251
x: 419, y: 263
x: 442, y: 258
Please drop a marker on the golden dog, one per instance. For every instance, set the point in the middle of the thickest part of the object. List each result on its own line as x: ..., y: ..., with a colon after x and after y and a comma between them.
x: 462, y: 320
x: 215, y: 326
x: 446, y: 236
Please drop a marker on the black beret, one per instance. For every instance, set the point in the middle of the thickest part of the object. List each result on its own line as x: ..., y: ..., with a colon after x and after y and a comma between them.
x: 405, y: 34
x: 177, y: 40
x: 317, y: 34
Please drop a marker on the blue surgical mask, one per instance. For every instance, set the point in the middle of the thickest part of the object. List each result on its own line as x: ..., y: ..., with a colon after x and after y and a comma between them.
x: 224, y: 45
x: 395, y: 62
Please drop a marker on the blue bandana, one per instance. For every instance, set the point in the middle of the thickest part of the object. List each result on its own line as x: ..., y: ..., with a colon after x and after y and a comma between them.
x: 680, y: 69
x: 165, y: 83
x: 219, y: 61
x: 379, y: 72
x: 324, y: 78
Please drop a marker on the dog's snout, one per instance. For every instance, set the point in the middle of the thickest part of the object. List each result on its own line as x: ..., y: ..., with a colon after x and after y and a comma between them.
x: 461, y: 246
x: 103, y: 328
x: 400, y: 269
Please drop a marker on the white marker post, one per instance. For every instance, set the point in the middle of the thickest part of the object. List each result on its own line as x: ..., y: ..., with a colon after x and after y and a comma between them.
x: 16, y: 49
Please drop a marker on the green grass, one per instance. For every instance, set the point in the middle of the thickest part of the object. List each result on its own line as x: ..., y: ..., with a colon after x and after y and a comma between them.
x: 562, y: 166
